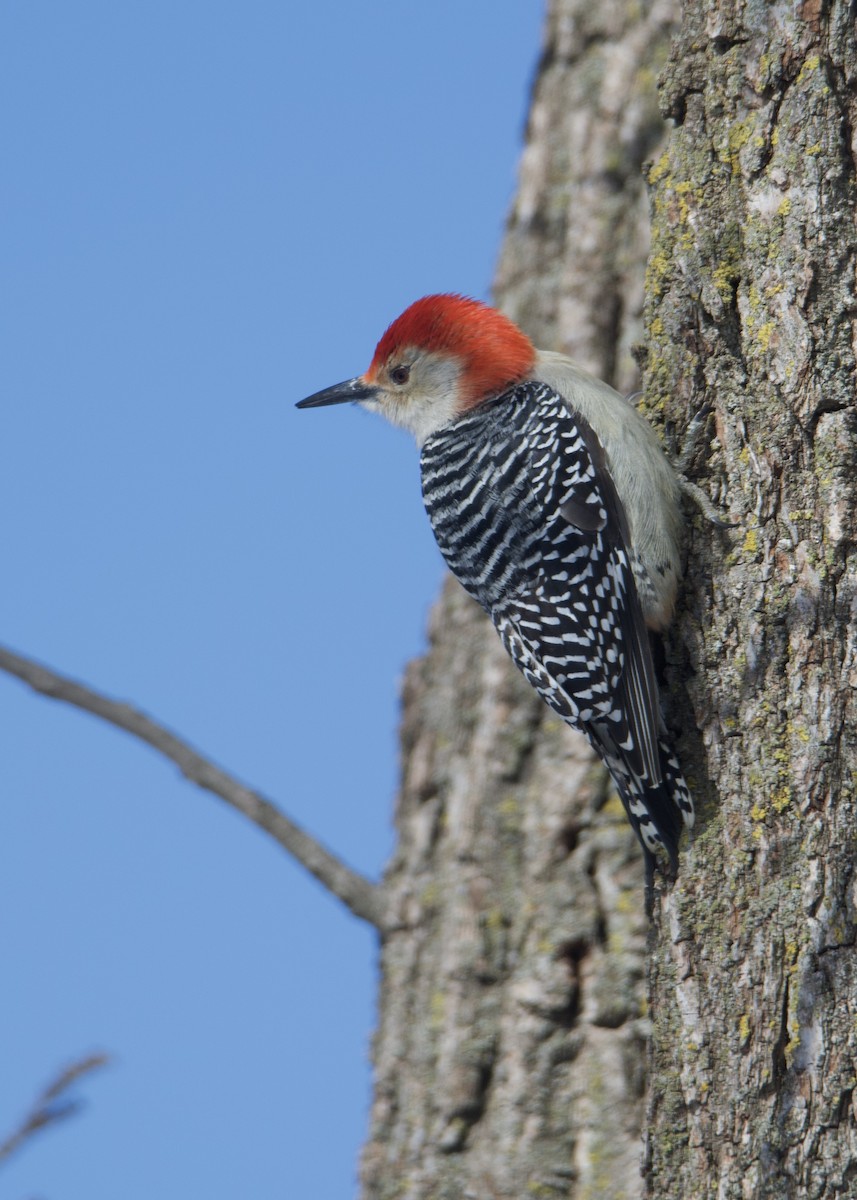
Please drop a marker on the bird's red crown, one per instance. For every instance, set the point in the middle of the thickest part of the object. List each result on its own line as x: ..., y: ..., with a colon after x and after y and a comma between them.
x: 493, y: 350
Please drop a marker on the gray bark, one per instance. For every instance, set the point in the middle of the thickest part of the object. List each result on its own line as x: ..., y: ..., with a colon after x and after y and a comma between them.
x: 751, y: 309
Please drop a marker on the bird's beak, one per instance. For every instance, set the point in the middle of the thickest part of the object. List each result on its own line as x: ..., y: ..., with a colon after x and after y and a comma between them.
x: 352, y: 389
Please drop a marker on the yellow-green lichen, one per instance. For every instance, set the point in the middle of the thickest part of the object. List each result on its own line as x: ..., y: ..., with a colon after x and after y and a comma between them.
x: 724, y: 276
x: 437, y: 1011
x: 495, y: 920
x: 781, y: 799
x: 764, y: 334
x: 739, y: 135
x: 657, y: 270
x: 811, y: 64
x: 509, y: 808
x: 660, y: 169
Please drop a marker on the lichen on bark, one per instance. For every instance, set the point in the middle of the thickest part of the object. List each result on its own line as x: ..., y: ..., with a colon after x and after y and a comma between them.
x: 513, y: 1015
x: 750, y: 309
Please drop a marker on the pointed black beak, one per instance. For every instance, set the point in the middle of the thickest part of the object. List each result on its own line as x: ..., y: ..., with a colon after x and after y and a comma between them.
x: 340, y: 393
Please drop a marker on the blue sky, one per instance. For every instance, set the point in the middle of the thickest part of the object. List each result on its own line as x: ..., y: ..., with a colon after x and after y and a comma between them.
x: 209, y: 210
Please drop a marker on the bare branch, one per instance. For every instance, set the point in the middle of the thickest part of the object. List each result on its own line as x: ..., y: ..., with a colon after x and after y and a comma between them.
x: 52, y: 1105
x: 358, y: 894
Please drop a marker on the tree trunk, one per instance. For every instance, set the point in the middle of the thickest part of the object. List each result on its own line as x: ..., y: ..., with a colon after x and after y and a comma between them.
x: 510, y: 1054
x: 750, y: 309
x: 513, y: 1018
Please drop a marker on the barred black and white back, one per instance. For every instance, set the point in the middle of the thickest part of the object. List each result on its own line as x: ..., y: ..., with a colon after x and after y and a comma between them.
x: 527, y: 517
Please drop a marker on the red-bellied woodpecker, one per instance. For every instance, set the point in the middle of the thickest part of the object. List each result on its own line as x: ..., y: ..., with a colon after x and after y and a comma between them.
x: 554, y: 505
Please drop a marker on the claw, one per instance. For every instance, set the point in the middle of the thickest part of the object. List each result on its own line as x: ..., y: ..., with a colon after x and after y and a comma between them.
x: 705, y: 505
x: 692, y: 439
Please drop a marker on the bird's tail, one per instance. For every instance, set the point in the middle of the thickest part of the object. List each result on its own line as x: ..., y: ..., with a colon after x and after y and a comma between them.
x: 658, y: 811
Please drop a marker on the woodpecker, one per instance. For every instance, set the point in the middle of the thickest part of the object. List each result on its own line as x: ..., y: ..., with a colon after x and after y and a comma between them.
x: 554, y: 505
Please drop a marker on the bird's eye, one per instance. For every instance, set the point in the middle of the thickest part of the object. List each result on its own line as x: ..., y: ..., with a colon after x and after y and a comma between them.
x: 400, y: 374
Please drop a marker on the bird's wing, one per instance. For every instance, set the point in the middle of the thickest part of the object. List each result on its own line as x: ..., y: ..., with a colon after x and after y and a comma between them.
x: 577, y: 622
x: 638, y: 684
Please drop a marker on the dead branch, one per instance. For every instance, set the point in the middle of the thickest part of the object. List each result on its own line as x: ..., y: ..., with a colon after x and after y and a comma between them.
x: 356, y: 892
x: 53, y: 1104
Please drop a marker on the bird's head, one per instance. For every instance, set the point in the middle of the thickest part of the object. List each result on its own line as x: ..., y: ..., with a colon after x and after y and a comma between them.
x: 442, y: 356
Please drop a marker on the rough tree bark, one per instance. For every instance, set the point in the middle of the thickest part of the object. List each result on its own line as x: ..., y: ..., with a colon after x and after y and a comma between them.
x: 510, y: 1052
x: 751, y: 309
x: 513, y: 1014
